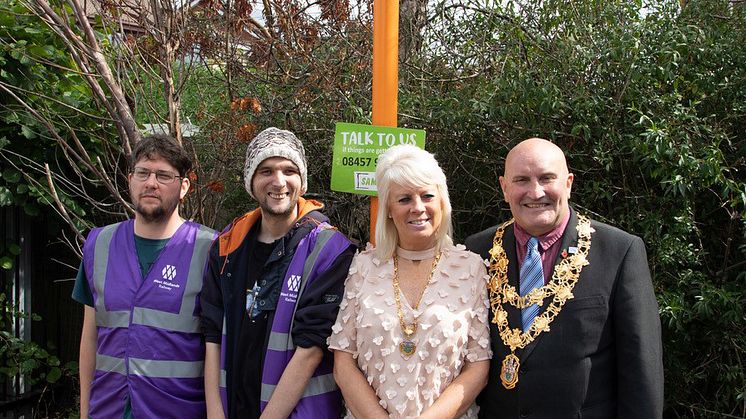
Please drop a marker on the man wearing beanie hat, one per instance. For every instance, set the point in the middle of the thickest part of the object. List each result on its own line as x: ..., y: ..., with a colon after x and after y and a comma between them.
x: 271, y: 294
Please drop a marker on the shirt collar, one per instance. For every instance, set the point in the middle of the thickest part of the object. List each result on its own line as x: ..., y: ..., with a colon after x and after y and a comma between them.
x: 546, y: 240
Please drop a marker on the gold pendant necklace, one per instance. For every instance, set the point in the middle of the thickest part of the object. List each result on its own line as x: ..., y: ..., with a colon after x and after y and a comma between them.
x: 408, y: 346
x: 564, y: 278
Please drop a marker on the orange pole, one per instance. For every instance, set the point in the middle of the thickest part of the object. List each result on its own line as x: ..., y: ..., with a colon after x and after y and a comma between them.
x: 385, y: 75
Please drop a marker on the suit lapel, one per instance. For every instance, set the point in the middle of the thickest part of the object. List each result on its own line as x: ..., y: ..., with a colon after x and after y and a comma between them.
x: 569, y: 239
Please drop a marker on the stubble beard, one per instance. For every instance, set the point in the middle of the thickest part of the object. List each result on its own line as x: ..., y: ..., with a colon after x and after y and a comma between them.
x: 267, y: 210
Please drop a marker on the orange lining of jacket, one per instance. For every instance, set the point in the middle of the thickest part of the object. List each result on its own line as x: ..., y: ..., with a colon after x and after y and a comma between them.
x: 230, y: 240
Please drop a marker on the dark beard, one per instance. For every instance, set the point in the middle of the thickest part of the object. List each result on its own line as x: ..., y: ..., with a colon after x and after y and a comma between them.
x: 157, y: 214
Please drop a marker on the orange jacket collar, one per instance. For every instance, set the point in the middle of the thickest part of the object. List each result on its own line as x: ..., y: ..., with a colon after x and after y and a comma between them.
x: 230, y: 240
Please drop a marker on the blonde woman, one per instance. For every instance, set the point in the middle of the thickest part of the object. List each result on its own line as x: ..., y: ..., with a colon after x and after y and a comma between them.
x: 411, y: 338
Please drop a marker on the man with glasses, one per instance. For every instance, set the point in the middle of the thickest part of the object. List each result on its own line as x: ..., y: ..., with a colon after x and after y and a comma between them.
x: 271, y: 295
x: 141, y: 353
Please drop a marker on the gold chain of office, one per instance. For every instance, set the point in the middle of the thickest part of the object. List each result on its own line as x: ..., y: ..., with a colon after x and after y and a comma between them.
x: 560, y: 288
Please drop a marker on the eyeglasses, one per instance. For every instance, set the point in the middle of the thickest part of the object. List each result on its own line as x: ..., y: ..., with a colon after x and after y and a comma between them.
x: 163, y: 177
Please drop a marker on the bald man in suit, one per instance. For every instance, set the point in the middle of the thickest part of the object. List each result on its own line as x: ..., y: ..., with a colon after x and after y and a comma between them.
x: 574, y: 322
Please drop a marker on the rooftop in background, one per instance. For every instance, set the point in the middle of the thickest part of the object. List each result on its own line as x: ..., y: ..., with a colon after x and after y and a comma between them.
x: 187, y: 130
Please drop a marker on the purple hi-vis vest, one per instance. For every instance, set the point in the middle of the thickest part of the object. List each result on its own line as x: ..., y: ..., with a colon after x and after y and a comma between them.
x: 321, y: 398
x: 149, y: 350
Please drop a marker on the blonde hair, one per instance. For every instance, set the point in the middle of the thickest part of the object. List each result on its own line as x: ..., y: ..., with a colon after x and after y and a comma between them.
x: 411, y: 167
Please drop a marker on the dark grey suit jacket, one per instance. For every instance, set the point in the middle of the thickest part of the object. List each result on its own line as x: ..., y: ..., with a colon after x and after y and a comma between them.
x: 602, y: 357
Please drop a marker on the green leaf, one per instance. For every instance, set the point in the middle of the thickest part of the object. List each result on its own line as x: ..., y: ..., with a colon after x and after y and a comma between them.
x: 29, y: 365
x: 6, y: 19
x: 14, y: 249
x: 54, y: 375
x: 6, y: 197
x: 27, y: 132
x: 11, y: 175
x: 6, y: 263
x: 31, y: 209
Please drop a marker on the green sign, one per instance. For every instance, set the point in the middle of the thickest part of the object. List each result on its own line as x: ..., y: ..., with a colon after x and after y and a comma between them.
x: 356, y: 151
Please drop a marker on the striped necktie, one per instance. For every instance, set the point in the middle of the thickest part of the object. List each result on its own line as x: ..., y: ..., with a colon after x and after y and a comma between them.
x: 531, y: 276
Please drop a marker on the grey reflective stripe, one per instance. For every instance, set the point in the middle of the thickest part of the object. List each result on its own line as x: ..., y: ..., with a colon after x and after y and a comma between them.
x: 321, y: 240
x: 112, y: 318
x: 316, y: 385
x: 100, y: 265
x: 151, y: 368
x: 204, y: 240
x: 280, y: 342
x: 284, y: 341
x: 110, y: 364
x: 167, y: 369
x: 223, y: 379
x: 165, y: 320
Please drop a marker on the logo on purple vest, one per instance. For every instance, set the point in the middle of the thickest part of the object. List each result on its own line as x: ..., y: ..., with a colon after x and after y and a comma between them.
x: 169, y: 272
x: 294, y: 283
x: 169, y: 275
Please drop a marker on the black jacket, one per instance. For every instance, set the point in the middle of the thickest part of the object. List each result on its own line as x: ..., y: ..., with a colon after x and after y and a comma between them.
x: 601, y: 357
x: 224, y: 287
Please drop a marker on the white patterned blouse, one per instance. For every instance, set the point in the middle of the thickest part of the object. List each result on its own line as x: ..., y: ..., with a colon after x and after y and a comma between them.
x: 452, y: 328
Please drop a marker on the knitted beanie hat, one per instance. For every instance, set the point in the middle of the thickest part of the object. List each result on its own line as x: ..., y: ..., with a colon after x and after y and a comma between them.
x: 274, y: 142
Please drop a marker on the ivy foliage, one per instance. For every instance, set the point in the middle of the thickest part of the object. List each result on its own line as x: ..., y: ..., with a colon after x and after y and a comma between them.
x: 41, y: 91
x: 38, y: 81
x: 19, y: 357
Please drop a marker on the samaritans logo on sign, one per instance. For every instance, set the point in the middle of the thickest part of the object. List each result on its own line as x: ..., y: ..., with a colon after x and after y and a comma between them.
x: 356, y: 151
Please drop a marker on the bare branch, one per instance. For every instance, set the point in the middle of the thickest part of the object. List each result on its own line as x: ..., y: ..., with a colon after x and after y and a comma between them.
x: 60, y: 205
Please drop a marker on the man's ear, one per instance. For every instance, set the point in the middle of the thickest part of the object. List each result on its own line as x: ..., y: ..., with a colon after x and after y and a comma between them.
x: 185, y: 185
x: 503, y: 182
